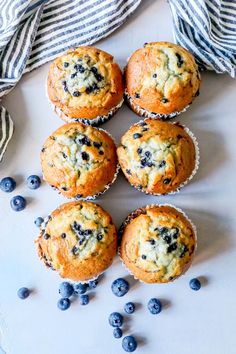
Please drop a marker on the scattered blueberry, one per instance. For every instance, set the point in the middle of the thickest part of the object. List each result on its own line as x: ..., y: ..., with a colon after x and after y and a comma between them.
x: 18, y: 203
x: 84, y: 299
x: 7, y: 184
x: 93, y: 284
x: 85, y: 156
x: 120, y: 287
x: 115, y: 319
x: 63, y: 304
x: 129, y: 344
x: 172, y: 247
x: 66, y: 64
x: 33, y: 182
x: 38, y: 222
x: 63, y: 235
x: 195, y: 284
x: 129, y: 307
x: 76, y: 93
x: 137, y: 135
x: 66, y: 289
x: 154, y: 306
x: 23, y: 293
x: 117, y: 332
x: 154, y: 75
x: 80, y: 288
x: 46, y: 236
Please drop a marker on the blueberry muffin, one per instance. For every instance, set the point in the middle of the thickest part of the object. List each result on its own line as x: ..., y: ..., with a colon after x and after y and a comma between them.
x: 85, y: 84
x: 78, y: 240
x: 79, y: 160
x: 157, y: 244
x: 162, y: 79
x: 158, y: 157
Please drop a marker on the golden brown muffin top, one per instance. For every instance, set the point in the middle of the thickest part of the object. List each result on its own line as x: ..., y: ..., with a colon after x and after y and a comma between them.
x: 85, y: 82
x: 156, y: 156
x: 79, y: 240
x: 79, y: 160
x: 162, y: 78
x: 158, y: 243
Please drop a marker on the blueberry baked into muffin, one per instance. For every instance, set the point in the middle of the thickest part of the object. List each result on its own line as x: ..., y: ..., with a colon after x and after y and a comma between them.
x: 85, y: 84
x: 162, y: 79
x: 78, y: 240
x: 158, y: 157
x: 157, y: 244
x: 79, y: 160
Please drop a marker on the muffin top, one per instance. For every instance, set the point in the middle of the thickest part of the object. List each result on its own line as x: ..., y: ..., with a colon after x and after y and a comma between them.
x: 162, y: 78
x: 157, y: 244
x: 79, y: 160
x: 79, y: 240
x: 85, y: 83
x: 157, y: 157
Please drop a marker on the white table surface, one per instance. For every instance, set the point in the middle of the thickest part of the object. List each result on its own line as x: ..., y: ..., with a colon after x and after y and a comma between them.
x: 192, y: 322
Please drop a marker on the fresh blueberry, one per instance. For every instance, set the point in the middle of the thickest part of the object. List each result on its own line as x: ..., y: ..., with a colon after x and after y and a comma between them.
x: 120, y: 287
x: 33, y: 182
x: 63, y: 304
x: 195, y: 284
x: 116, y: 319
x: 93, y: 284
x: 23, y: 293
x: 80, y: 288
x: 117, y: 332
x: 66, y: 289
x: 7, y: 184
x: 18, y: 203
x: 154, y: 306
x: 129, y: 307
x: 84, y: 299
x: 38, y: 222
x: 129, y: 344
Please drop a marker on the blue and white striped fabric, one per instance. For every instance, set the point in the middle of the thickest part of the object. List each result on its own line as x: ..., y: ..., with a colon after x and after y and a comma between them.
x: 207, y: 28
x: 33, y: 32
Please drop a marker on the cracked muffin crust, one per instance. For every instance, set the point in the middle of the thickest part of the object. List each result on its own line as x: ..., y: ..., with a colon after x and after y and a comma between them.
x: 85, y: 84
x: 79, y: 160
x: 162, y: 79
x: 79, y: 241
x: 157, y: 244
x: 157, y: 157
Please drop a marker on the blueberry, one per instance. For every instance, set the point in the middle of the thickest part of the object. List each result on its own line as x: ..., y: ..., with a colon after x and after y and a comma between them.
x: 164, y: 100
x: 85, y: 156
x: 129, y: 344
x: 129, y: 307
x: 137, y: 136
x: 80, y: 68
x: 63, y: 304
x: 176, y: 233
x: 66, y: 64
x: 154, y: 75
x: 120, y: 287
x: 65, y: 87
x: 94, y: 70
x: 117, y: 332
x: 23, y: 293
x: 185, y: 249
x: 93, y: 284
x: 137, y: 95
x: 7, y: 184
x: 38, y: 222
x: 139, y: 150
x: 97, y: 145
x: 98, y: 77
x: 18, y: 203
x: 152, y: 241
x: 167, y: 180
x: 128, y: 172
x: 195, y: 284
x: 101, y: 153
x: 84, y: 299
x: 115, y: 319
x: 167, y: 239
x: 162, y: 163
x: 148, y: 154
x: 33, y: 182
x: 73, y: 75
x: 80, y: 288
x: 63, y: 235
x: 144, y: 256
x: 154, y: 306
x: 179, y: 60
x: 76, y: 93
x: 66, y: 289
x: 46, y: 236
x: 99, y: 237
x: 84, y: 141
x: 172, y: 247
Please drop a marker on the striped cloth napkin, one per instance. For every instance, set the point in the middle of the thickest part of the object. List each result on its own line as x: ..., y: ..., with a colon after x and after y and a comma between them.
x: 207, y: 28
x: 32, y: 32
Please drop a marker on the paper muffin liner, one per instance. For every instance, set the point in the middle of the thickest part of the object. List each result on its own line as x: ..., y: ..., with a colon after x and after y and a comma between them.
x: 106, y: 187
x: 147, y: 114
x: 196, y: 166
x: 139, y: 211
